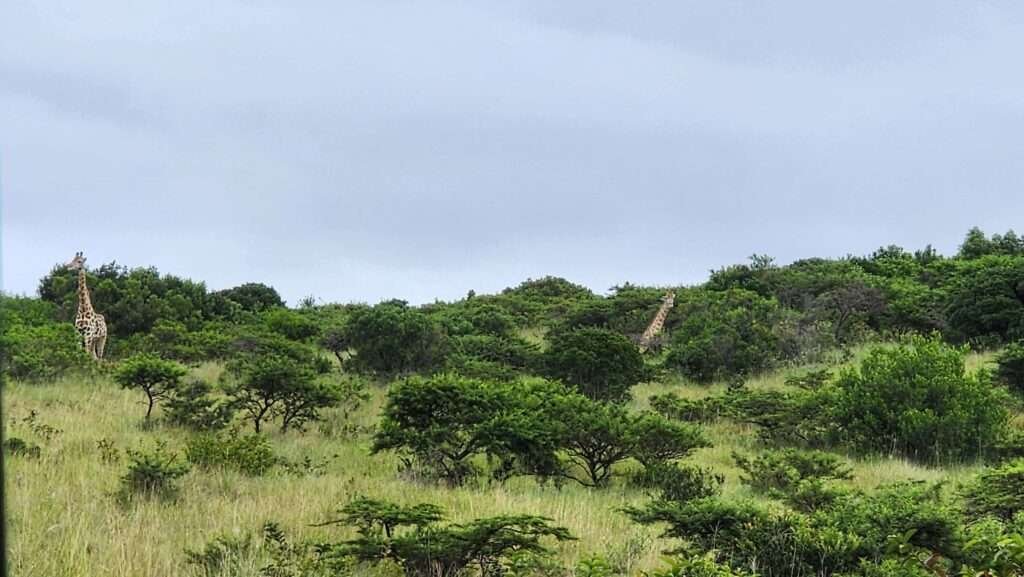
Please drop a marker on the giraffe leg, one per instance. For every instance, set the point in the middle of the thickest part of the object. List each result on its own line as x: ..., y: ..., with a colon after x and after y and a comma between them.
x: 101, y: 343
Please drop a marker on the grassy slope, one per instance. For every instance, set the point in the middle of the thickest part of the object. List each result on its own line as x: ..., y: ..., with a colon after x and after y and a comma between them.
x: 63, y: 519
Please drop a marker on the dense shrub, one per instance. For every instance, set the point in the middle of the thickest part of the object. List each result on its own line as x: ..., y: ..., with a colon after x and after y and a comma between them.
x: 42, y: 353
x: 249, y: 454
x: 152, y: 473
x: 194, y: 406
x: 1011, y: 367
x: 997, y: 491
x: 19, y: 447
x: 986, y: 299
x: 780, y: 472
x: 392, y: 338
x: 723, y: 333
x: 678, y: 483
x: 290, y: 324
x: 440, y: 423
x: 414, y: 538
x: 601, y: 363
x: 916, y: 399
x: 156, y: 377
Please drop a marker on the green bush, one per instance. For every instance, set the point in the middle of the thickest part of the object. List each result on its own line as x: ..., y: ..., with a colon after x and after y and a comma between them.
x: 916, y: 399
x: 392, y: 338
x: 1011, y: 367
x: 156, y: 377
x: 723, y: 333
x: 19, y: 447
x: 414, y: 538
x: 997, y: 491
x: 440, y: 423
x: 679, y: 483
x: 152, y: 473
x: 602, y: 364
x: 278, y: 386
x: 41, y: 352
x: 249, y: 454
x: 780, y: 472
x: 194, y: 407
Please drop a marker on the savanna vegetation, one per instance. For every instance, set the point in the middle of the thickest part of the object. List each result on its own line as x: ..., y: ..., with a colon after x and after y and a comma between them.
x: 850, y: 417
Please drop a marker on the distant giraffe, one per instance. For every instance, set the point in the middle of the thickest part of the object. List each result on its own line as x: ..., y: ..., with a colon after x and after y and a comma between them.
x: 88, y: 322
x: 657, y: 322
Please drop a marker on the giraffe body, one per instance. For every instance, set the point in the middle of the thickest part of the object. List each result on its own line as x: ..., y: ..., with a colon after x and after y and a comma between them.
x: 90, y: 325
x: 657, y: 323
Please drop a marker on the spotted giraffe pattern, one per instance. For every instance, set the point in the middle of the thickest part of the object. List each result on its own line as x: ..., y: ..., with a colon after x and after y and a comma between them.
x: 90, y: 325
x: 657, y: 322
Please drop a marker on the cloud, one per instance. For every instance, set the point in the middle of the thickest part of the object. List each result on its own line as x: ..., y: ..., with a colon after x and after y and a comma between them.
x: 365, y: 150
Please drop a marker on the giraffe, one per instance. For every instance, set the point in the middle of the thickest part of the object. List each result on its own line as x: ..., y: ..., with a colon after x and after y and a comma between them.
x: 657, y: 322
x: 88, y: 322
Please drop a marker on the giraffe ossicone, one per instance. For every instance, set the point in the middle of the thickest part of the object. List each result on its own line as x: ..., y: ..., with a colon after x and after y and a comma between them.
x: 90, y: 325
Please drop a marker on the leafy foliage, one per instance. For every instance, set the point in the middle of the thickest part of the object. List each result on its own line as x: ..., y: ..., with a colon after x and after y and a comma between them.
x: 156, y: 377
x: 916, y: 399
x: 276, y: 385
x: 997, y: 491
x: 414, y: 538
x: 1011, y: 367
x: 602, y: 364
x: 392, y: 338
x: 249, y: 454
x: 152, y: 473
x: 194, y: 406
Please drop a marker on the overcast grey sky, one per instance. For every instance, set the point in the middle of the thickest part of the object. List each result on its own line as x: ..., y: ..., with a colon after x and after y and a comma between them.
x: 368, y: 150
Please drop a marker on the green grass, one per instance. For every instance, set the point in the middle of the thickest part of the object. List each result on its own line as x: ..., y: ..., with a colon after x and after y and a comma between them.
x: 64, y: 519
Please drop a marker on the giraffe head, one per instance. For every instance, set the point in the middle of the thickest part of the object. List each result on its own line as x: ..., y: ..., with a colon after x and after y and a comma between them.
x: 77, y: 263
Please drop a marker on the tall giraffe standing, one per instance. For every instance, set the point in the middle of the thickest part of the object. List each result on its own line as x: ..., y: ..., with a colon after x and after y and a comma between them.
x: 657, y: 322
x: 88, y: 322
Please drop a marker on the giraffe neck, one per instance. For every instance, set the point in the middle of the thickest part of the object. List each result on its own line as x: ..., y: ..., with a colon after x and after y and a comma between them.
x: 84, y: 302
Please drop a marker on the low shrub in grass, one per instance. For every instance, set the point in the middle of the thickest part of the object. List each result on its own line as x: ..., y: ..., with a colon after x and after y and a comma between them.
x: 156, y: 377
x: 1011, y: 367
x: 249, y: 454
x: 152, y: 473
x: 679, y: 483
x: 997, y: 491
x: 917, y: 400
x: 19, y: 447
x: 780, y: 472
x: 415, y: 538
x: 194, y: 406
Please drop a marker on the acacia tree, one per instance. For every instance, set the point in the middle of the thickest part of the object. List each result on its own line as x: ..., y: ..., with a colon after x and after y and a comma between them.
x: 845, y: 304
x: 272, y: 385
x: 156, y: 377
x: 413, y: 537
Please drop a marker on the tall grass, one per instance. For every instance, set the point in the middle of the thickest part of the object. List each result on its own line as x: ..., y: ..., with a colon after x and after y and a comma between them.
x: 64, y: 519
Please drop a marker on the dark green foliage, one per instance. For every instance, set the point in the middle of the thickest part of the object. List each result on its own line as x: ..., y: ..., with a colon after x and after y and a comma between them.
x: 19, y: 447
x: 249, y: 454
x: 290, y: 558
x: 290, y: 324
x: 705, y: 410
x: 986, y: 299
x: 33, y: 346
x: 492, y: 358
x: 840, y: 537
x: 223, y: 555
x: 697, y: 566
x: 440, y: 423
x: 194, y: 406
x: 1011, y: 367
x: 847, y: 305
x: 780, y: 472
x: 392, y: 338
x: 251, y: 297
x: 156, y: 377
x: 152, y: 473
x: 275, y: 385
x: 414, y: 538
x: 723, y: 333
x: 658, y: 440
x: 976, y: 245
x: 916, y: 399
x: 679, y: 483
x: 335, y: 340
x: 601, y: 363
x: 997, y: 491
